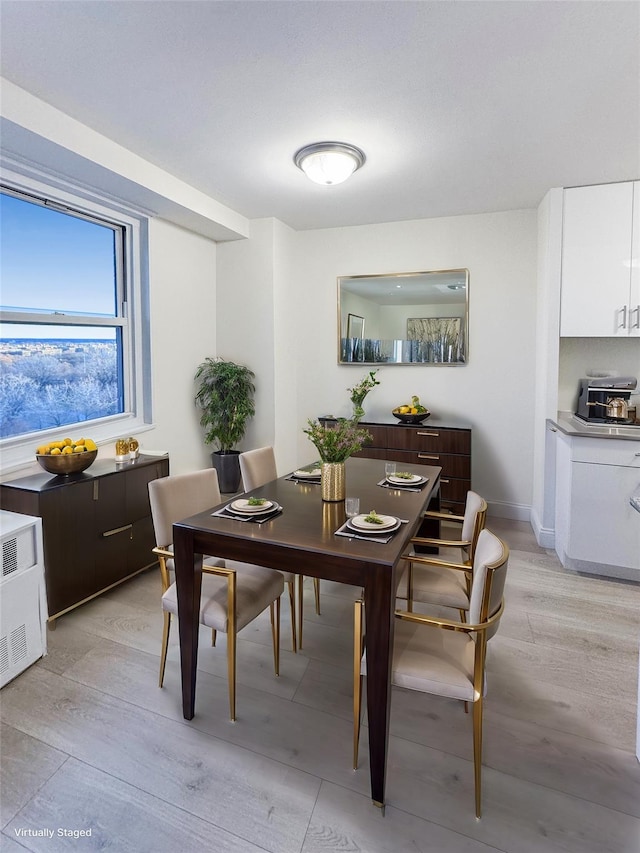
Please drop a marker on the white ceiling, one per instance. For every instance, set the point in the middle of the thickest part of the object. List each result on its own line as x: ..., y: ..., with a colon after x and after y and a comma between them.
x: 461, y: 107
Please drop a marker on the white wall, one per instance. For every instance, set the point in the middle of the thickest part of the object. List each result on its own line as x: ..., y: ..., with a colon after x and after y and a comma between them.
x: 245, y: 320
x: 493, y: 393
x: 182, y: 276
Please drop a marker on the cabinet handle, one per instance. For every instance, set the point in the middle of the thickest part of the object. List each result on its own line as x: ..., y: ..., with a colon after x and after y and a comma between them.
x: 117, y: 530
x: 553, y: 429
x: 635, y: 311
x: 444, y: 481
x: 432, y: 434
x: 623, y: 311
x: 427, y: 456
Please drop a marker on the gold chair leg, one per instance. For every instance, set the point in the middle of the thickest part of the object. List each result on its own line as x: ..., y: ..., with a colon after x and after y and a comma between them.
x: 477, y: 753
x: 316, y: 589
x: 231, y: 673
x: 275, y: 633
x: 357, y: 678
x: 300, y: 608
x: 165, y: 645
x: 292, y: 605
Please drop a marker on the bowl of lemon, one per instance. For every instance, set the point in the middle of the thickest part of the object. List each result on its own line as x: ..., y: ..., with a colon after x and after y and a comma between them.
x: 67, y: 456
x: 411, y: 413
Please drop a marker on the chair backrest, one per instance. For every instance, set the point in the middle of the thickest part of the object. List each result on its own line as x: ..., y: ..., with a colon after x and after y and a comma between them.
x: 258, y: 467
x: 180, y: 496
x: 489, y: 574
x: 475, y: 515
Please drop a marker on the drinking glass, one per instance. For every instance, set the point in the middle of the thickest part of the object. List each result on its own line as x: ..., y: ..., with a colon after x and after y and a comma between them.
x: 352, y: 506
x: 389, y: 469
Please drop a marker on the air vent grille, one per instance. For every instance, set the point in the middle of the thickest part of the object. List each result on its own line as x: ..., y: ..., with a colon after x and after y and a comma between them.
x: 9, y: 556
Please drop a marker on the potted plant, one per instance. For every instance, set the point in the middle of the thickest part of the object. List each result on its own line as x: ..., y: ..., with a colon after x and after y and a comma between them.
x: 335, y: 443
x: 225, y: 395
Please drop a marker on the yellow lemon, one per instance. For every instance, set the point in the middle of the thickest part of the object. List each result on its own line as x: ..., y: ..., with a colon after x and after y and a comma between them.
x: 67, y: 449
x: 42, y: 450
x: 79, y: 441
x: 90, y: 444
x: 79, y: 448
x: 67, y: 442
x: 55, y: 451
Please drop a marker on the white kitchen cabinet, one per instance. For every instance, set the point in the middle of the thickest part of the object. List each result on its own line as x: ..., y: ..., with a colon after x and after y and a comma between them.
x: 600, y: 291
x: 597, y: 529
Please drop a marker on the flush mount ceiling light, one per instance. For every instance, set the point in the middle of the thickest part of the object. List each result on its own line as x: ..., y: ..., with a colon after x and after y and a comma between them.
x: 329, y: 163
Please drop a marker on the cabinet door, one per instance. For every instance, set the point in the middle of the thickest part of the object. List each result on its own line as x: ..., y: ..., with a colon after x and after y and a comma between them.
x: 596, y: 261
x: 604, y: 527
x: 634, y: 297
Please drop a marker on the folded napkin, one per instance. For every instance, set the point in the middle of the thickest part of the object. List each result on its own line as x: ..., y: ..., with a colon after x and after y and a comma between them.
x: 417, y: 487
x: 227, y: 512
x: 312, y: 481
x: 368, y: 537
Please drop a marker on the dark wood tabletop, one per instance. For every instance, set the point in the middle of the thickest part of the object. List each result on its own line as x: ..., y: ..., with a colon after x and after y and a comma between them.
x: 302, y: 539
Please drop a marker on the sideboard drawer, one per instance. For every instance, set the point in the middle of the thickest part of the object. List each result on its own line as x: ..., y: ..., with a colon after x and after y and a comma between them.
x: 452, y: 465
x: 430, y: 439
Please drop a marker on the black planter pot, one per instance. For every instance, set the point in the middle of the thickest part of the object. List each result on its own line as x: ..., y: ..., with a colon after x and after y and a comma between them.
x: 227, y: 464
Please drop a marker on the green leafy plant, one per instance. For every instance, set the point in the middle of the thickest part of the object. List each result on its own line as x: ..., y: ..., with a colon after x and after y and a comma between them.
x: 225, y: 395
x: 360, y: 391
x: 373, y: 518
x: 337, y: 442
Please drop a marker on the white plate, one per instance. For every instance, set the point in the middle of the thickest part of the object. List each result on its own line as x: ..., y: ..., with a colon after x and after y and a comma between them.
x: 242, y: 505
x: 405, y: 481
x: 388, y: 523
x: 300, y: 474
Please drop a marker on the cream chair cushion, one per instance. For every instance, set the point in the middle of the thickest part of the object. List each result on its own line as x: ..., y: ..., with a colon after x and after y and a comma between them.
x: 258, y: 589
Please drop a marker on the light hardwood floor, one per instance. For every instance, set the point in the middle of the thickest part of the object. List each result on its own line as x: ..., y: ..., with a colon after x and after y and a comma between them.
x: 90, y: 742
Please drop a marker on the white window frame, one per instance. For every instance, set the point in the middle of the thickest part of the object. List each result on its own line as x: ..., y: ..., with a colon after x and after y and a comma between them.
x: 17, y: 451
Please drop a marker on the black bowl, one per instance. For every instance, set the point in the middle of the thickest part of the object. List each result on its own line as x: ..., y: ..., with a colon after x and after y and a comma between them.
x: 411, y: 419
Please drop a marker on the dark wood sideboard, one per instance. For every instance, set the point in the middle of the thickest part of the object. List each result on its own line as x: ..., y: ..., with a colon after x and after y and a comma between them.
x: 446, y: 444
x: 97, y: 526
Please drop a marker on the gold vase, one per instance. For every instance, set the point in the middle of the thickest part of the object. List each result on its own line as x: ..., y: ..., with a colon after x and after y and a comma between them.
x: 332, y: 481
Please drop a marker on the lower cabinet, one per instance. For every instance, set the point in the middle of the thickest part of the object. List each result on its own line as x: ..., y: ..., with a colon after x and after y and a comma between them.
x: 597, y: 529
x: 97, y: 525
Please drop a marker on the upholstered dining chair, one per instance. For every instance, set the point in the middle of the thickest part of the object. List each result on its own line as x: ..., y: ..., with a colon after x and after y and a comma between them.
x: 442, y: 657
x: 257, y: 468
x: 428, y: 578
x: 233, y: 593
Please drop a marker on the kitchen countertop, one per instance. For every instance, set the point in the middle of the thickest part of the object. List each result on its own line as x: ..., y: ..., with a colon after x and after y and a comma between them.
x: 569, y: 424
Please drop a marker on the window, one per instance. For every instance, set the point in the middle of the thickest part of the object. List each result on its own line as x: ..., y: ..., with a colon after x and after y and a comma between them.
x: 71, y: 334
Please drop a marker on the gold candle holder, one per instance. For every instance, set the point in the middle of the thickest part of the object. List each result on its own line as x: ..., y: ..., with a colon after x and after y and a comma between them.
x: 122, y: 450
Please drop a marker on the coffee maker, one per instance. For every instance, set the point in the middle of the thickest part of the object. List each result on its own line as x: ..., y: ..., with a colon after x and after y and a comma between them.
x: 605, y: 399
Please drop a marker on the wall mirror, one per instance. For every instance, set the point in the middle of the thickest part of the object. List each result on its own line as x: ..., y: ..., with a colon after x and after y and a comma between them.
x: 408, y: 318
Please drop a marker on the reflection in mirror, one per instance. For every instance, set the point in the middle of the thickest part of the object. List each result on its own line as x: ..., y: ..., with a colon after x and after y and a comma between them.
x: 410, y: 318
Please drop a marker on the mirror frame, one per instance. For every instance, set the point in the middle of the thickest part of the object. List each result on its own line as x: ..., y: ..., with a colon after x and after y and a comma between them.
x: 402, y: 344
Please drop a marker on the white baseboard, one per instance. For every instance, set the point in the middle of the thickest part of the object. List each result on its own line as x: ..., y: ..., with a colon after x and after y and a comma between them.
x: 516, y: 512
x: 545, y: 536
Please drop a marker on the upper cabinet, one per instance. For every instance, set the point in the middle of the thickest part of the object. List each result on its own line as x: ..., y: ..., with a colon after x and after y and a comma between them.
x: 600, y: 295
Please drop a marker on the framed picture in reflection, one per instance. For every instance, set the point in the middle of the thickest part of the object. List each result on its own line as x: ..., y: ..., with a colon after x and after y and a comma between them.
x: 355, y: 326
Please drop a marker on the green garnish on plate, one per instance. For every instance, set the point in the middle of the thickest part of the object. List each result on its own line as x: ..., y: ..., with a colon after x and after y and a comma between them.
x: 256, y: 501
x: 403, y: 475
x: 373, y: 518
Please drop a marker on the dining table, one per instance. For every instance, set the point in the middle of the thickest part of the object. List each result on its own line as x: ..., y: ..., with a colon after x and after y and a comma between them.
x: 303, y: 539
